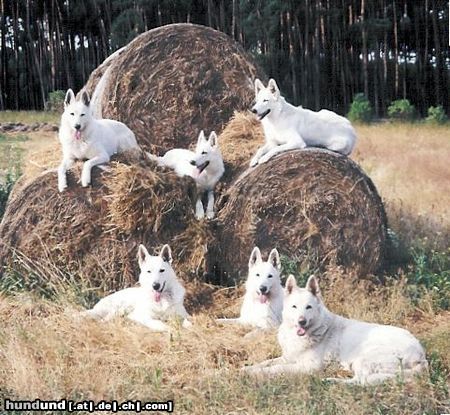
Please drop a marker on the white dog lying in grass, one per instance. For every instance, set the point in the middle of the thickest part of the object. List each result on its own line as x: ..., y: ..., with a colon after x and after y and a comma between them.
x: 287, y: 127
x: 263, y: 300
x: 311, y: 336
x: 205, y: 166
x: 158, y: 298
x: 84, y: 137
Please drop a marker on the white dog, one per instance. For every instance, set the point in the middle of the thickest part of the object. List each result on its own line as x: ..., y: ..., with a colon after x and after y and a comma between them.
x: 311, y: 336
x: 263, y: 299
x: 158, y: 298
x: 287, y: 127
x: 84, y: 137
x: 205, y: 166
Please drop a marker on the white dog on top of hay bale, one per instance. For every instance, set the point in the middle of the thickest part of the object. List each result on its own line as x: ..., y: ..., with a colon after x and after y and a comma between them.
x: 263, y: 299
x: 84, y: 137
x: 158, y: 298
x: 311, y: 336
x: 287, y: 127
x: 205, y: 166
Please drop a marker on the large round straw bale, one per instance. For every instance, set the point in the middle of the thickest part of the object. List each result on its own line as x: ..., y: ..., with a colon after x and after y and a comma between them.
x: 317, y: 207
x: 173, y: 81
x: 93, y: 233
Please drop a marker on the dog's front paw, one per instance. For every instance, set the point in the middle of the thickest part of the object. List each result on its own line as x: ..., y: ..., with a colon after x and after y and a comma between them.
x: 264, y: 159
x: 199, y: 214
x: 186, y: 324
x: 251, y: 370
x: 85, y: 183
x: 253, y: 162
x: 62, y: 186
x: 210, y: 214
x: 85, y: 179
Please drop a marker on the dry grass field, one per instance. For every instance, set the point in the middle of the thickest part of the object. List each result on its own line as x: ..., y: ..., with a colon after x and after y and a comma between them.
x: 47, y: 353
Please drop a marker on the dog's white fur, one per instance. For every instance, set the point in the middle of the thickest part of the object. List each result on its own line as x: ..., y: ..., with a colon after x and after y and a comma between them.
x: 205, y: 166
x: 158, y: 298
x: 85, y: 138
x: 287, y: 127
x: 263, y: 300
x: 311, y: 336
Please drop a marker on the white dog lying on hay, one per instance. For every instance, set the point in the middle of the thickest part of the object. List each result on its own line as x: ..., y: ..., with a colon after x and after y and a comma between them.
x: 158, y: 298
x: 263, y: 300
x: 287, y: 127
x: 205, y: 166
x: 311, y: 336
x: 84, y: 137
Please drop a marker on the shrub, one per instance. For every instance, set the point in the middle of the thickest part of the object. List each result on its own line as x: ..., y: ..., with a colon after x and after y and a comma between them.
x: 56, y: 101
x: 360, y: 110
x: 401, y: 109
x: 436, y: 115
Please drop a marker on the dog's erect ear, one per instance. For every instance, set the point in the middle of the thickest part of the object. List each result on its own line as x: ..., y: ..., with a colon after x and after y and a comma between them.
x: 70, y: 96
x: 166, y: 254
x: 291, y: 283
x: 255, y: 257
x: 201, y: 137
x: 85, y: 98
x: 213, y: 139
x: 313, y: 286
x: 274, y: 259
x: 142, y: 254
x: 273, y: 88
x: 258, y: 86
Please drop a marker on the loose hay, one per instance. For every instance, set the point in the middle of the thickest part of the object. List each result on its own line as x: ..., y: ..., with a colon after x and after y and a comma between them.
x: 173, y: 81
x: 239, y: 141
x: 315, y: 206
x: 94, y: 232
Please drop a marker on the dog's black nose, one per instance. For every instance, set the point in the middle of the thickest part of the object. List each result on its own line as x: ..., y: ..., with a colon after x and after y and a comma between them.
x: 193, y: 162
x: 77, y: 126
x: 263, y: 289
x: 302, y: 322
x: 156, y: 286
x: 254, y: 111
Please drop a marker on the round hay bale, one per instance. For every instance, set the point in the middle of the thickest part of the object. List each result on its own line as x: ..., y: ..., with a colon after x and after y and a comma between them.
x: 173, y: 81
x: 93, y: 233
x: 315, y: 206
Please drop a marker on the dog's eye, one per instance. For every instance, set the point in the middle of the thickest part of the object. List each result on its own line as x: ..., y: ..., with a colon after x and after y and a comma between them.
x: 149, y: 271
x: 257, y: 275
x: 83, y: 115
x: 161, y: 270
x: 294, y: 306
x: 308, y: 307
x: 265, y: 100
x: 270, y: 276
x: 204, y: 152
x: 72, y: 113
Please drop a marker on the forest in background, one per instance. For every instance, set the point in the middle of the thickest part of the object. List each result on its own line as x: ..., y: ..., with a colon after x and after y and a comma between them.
x: 321, y: 52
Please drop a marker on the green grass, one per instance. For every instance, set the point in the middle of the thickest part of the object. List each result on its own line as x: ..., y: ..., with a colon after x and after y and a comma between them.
x: 430, y: 271
x: 10, y: 155
x: 29, y: 117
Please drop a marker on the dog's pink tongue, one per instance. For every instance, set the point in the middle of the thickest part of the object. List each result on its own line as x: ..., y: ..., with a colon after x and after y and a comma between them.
x: 78, y: 134
x: 157, y: 296
x: 263, y: 298
x: 301, y: 331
